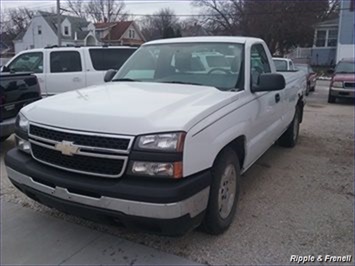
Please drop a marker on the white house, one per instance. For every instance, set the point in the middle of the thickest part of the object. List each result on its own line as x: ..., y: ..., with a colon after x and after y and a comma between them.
x: 346, y: 42
x: 42, y: 32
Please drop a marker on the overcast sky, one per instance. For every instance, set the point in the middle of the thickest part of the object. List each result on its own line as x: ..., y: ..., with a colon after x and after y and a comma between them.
x: 181, y: 7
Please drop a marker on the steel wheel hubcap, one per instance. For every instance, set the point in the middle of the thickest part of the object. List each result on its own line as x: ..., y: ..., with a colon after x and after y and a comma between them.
x: 227, y: 190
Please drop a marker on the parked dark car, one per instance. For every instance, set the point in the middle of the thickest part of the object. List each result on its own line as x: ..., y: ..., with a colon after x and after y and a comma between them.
x: 342, y: 84
x: 311, y: 76
x: 16, y: 91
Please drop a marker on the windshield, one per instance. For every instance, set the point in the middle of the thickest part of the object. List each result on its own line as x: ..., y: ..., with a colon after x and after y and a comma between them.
x: 208, y: 64
x: 281, y: 65
x: 345, y: 67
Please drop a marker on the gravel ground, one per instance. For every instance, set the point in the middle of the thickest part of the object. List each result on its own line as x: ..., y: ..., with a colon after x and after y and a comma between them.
x: 296, y: 201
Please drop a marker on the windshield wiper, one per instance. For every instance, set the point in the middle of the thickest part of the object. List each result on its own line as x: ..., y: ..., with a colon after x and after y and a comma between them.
x: 344, y: 72
x: 181, y: 82
x: 127, y: 79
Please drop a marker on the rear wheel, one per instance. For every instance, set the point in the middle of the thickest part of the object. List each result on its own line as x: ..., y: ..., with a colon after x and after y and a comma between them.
x: 224, y: 193
x: 290, y: 137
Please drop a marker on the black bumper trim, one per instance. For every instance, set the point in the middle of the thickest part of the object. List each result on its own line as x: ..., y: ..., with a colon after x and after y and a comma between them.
x: 127, y: 187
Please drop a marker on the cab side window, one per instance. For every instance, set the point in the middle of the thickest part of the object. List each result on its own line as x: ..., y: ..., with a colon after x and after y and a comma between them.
x: 65, y: 61
x: 28, y: 62
x: 259, y: 63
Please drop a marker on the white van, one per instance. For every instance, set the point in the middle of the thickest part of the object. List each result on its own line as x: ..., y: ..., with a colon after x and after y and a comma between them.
x: 62, y: 69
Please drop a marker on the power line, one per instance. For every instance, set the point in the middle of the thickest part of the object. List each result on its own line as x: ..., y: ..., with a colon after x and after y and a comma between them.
x: 218, y: 15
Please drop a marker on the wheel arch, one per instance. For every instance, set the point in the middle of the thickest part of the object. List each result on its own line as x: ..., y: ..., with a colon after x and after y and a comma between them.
x: 238, y: 146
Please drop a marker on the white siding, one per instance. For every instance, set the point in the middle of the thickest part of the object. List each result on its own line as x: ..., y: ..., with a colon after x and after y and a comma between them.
x: 345, y: 51
x: 90, y: 27
x: 66, y: 23
x: 136, y: 35
x: 32, y: 39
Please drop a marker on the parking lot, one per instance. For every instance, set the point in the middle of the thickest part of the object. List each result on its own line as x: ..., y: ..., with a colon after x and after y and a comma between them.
x: 296, y: 201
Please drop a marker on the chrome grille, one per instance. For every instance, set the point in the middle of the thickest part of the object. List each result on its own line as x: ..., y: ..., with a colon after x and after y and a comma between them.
x: 81, y: 152
x: 350, y: 85
x: 81, y: 139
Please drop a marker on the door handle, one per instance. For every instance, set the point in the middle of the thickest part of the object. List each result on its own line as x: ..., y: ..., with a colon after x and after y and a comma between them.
x: 76, y: 79
x: 277, y: 97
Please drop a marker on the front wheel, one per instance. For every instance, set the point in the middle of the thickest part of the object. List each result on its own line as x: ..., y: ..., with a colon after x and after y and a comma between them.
x: 2, y: 139
x: 290, y: 137
x: 224, y: 192
x: 331, y: 99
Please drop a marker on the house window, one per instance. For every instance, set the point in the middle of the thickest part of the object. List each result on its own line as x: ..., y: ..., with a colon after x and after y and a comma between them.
x: 39, y: 30
x: 131, y: 34
x: 321, y: 38
x: 332, y: 38
x: 352, y: 5
x: 66, y: 30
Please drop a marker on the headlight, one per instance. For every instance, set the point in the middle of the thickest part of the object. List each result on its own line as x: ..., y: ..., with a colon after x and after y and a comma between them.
x: 169, y: 142
x: 157, y: 169
x: 338, y: 84
x: 22, y: 122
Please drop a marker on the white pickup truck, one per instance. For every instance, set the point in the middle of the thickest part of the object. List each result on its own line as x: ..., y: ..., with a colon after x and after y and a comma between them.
x: 61, y: 69
x: 163, y: 145
x: 284, y: 64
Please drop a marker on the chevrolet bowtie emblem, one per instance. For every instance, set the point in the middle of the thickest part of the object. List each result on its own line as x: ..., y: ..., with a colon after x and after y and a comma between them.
x: 67, y: 148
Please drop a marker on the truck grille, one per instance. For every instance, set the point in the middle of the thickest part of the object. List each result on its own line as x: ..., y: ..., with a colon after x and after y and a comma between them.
x: 80, y: 139
x: 350, y: 85
x: 80, y: 152
x: 100, y: 166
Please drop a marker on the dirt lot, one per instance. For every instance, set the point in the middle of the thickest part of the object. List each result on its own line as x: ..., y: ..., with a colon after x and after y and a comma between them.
x: 294, y: 201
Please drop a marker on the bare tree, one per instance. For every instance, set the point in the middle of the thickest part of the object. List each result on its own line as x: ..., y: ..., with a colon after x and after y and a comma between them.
x: 77, y: 7
x: 221, y: 17
x: 282, y: 24
x: 106, y: 10
x: 162, y: 24
x: 17, y: 20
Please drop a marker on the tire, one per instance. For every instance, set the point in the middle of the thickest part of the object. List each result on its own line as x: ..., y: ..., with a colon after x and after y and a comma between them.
x: 290, y: 137
x: 307, y: 90
x: 313, y: 88
x: 331, y: 99
x: 2, y: 139
x: 224, y: 189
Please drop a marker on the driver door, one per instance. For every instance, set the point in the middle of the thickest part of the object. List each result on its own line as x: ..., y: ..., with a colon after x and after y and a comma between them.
x: 30, y: 62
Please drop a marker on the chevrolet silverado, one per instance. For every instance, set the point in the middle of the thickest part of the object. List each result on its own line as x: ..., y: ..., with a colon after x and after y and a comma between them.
x: 163, y: 144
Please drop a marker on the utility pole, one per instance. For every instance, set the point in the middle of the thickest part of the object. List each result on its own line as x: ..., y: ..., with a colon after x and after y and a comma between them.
x: 59, y: 28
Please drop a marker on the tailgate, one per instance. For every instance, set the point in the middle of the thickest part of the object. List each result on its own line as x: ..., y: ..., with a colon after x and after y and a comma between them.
x: 16, y: 91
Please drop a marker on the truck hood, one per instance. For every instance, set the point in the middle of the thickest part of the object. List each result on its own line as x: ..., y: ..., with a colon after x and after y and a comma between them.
x: 344, y: 77
x: 130, y: 108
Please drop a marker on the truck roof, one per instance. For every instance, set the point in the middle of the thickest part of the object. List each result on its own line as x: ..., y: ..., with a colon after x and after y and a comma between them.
x: 207, y: 39
x: 77, y: 47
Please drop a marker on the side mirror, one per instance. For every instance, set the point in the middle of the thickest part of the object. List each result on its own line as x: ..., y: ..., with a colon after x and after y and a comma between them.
x: 5, y: 69
x: 270, y: 82
x: 109, y: 75
x: 330, y: 71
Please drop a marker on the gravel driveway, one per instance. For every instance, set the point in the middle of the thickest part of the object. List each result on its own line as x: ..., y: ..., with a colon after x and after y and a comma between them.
x: 294, y: 201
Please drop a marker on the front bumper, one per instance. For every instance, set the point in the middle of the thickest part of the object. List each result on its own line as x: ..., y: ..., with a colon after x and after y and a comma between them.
x: 343, y: 93
x: 172, y: 206
x: 7, y: 127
